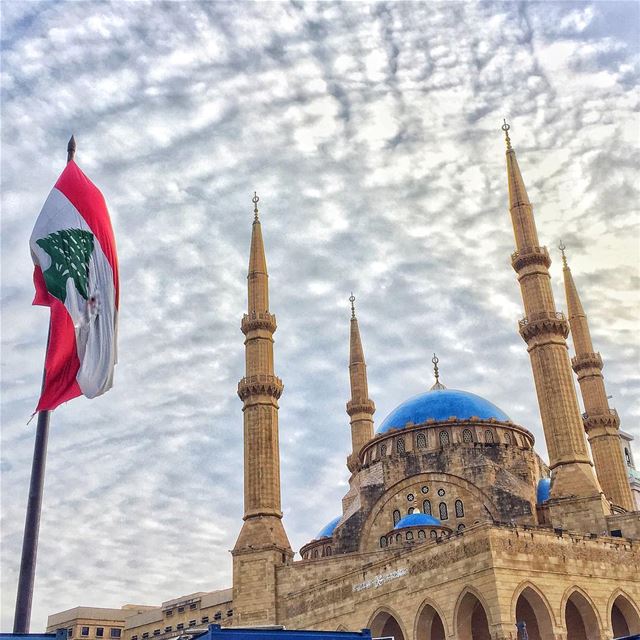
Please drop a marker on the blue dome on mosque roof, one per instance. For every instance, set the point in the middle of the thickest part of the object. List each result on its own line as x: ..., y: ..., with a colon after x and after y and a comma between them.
x: 328, y: 529
x: 440, y: 405
x: 417, y: 520
x: 544, y: 490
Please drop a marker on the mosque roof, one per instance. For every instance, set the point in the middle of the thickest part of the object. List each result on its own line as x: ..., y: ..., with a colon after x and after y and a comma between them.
x: 544, y: 490
x: 417, y: 520
x: 328, y: 529
x: 439, y: 405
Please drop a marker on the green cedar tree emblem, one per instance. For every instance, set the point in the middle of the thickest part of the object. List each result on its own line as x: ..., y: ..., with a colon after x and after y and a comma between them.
x: 69, y: 250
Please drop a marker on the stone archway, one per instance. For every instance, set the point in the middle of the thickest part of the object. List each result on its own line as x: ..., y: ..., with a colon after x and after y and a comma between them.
x: 534, y: 612
x: 384, y: 625
x: 429, y: 625
x: 625, y: 619
x: 580, y: 618
x: 471, y: 619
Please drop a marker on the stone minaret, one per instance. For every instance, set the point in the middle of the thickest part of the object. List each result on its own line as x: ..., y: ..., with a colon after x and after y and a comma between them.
x: 360, y: 408
x: 601, y: 423
x: 262, y: 545
x: 545, y: 332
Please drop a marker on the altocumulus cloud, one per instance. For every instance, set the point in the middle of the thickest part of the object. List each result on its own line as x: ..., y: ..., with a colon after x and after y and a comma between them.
x: 371, y: 133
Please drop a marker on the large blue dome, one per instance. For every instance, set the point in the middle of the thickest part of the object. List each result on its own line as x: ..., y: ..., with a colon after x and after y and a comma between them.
x: 328, y: 529
x: 418, y: 520
x: 440, y: 405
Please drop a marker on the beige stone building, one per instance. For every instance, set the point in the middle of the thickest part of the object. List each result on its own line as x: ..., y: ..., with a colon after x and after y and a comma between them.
x: 452, y: 527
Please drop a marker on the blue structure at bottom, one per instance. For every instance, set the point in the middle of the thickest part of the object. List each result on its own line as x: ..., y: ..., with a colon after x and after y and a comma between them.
x: 216, y: 632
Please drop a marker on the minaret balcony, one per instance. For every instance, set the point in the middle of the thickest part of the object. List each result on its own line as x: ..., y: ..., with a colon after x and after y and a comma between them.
x: 609, y: 419
x: 360, y: 406
x: 584, y: 361
x: 530, y: 256
x: 260, y: 384
x: 254, y: 320
x: 543, y: 322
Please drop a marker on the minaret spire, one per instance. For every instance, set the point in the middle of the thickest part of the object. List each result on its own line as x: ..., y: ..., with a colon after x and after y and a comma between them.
x: 262, y: 543
x: 436, y: 374
x: 545, y: 332
x: 601, y: 422
x: 360, y: 408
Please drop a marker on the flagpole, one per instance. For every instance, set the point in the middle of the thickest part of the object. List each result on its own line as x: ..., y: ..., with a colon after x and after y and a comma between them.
x: 24, y: 598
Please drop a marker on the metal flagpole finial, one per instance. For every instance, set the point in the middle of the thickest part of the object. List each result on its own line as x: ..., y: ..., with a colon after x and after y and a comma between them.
x: 352, y: 299
x: 505, y: 127
x: 436, y: 373
x: 255, y: 201
x: 562, y: 247
x: 71, y: 148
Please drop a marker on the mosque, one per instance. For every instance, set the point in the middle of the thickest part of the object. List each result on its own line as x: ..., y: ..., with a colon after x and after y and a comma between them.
x: 452, y: 527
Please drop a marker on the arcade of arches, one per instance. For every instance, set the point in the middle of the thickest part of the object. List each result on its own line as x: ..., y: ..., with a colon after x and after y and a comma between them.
x: 580, y: 619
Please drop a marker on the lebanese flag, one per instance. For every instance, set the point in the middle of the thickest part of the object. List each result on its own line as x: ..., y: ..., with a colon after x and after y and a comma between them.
x: 76, y: 275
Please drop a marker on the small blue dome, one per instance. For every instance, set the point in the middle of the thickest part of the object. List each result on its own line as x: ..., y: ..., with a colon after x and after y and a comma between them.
x: 328, y: 529
x: 418, y: 520
x: 544, y: 489
x: 440, y: 405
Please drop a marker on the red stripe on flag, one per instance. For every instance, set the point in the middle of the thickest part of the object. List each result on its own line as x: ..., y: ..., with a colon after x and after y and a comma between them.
x: 89, y: 201
x: 61, y: 362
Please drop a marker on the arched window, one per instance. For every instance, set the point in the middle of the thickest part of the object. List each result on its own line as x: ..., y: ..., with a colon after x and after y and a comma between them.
x: 459, y: 509
x: 444, y: 438
x: 488, y: 436
x: 383, y: 542
x: 396, y: 517
x: 409, y: 535
x: 467, y: 436
x: 398, y: 537
x: 328, y: 551
x: 315, y: 553
x: 426, y: 507
x: 421, y: 441
x: 383, y: 450
x: 444, y: 514
x: 411, y: 510
x: 421, y: 534
x: 400, y: 445
x: 460, y: 527
x: 507, y: 438
x: 433, y: 534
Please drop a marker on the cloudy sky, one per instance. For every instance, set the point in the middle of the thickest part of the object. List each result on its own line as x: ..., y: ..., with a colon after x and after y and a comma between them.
x: 371, y: 133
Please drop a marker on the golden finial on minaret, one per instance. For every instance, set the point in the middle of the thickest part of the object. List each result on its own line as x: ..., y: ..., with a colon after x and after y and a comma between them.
x: 352, y: 299
x: 562, y: 247
x: 255, y: 201
x: 436, y: 373
x: 505, y: 127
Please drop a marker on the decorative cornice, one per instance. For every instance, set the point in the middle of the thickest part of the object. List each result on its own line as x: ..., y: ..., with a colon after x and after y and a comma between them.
x: 254, y: 320
x: 594, y: 420
x: 363, y: 406
x: 543, y: 323
x: 260, y: 384
x: 586, y: 361
x: 530, y: 256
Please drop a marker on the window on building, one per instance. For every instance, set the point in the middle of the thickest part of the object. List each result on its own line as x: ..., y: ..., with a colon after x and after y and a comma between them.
x: 425, y: 489
x: 488, y: 436
x: 460, y: 527
x: 411, y: 510
x: 156, y: 632
x: 229, y: 613
x: 433, y: 534
x: 467, y: 436
x: 444, y: 514
x: 459, y: 509
x: 426, y: 507
x: 70, y: 632
x: 383, y: 450
x: 400, y: 445
x: 398, y: 537
x: 167, y: 629
x: 169, y: 613
x: 315, y: 553
x: 180, y: 609
x: 444, y: 438
x: 205, y: 619
x: 421, y: 441
x: 114, y: 632
x: 99, y: 632
x: 193, y: 605
x: 134, y: 637
x: 218, y: 616
x: 328, y: 551
x: 193, y: 623
x: 180, y: 626
x: 410, y: 497
x: 84, y: 631
x: 421, y: 534
x: 627, y: 456
x: 441, y: 492
x: 409, y: 535
x: 383, y: 542
x: 396, y: 517
x: 145, y: 635
x: 507, y: 438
